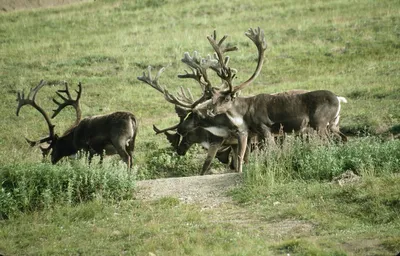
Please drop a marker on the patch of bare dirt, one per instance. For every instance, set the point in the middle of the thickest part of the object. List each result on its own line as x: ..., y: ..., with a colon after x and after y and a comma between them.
x: 15, y: 5
x: 209, y: 191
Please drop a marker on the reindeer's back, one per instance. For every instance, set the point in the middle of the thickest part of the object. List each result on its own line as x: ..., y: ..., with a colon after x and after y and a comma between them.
x: 116, y: 123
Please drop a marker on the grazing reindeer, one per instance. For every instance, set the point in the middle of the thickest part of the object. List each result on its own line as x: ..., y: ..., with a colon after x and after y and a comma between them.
x: 188, y: 132
x: 113, y: 133
x: 217, y: 147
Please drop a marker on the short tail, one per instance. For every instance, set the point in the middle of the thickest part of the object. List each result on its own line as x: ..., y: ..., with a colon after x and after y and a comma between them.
x: 341, y: 99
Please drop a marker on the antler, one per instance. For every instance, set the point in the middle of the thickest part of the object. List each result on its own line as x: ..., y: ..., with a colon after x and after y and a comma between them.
x: 223, y: 71
x: 182, y: 114
x: 30, y: 100
x: 258, y: 38
x: 180, y: 101
x: 69, y: 101
x: 158, y: 131
x: 199, y: 67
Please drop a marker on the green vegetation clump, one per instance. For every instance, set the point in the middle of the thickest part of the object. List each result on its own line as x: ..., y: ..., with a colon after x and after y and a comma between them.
x: 32, y: 187
x: 312, y: 159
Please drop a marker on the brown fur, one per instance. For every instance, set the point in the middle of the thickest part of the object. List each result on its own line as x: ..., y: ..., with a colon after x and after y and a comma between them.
x: 113, y: 133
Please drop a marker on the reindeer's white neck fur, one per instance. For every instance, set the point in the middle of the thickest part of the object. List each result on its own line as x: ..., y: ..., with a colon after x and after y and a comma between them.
x: 205, y: 145
x: 218, y: 131
x: 237, y: 120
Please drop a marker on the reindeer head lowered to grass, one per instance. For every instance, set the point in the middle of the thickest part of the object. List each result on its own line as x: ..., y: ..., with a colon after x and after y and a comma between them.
x: 113, y: 133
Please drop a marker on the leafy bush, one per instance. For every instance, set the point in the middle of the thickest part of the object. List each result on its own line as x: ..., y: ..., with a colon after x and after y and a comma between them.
x: 28, y: 187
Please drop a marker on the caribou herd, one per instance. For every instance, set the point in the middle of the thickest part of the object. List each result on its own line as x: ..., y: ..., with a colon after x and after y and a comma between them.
x: 224, y: 123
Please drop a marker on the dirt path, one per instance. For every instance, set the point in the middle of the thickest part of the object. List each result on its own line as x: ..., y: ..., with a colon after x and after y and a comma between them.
x: 210, y: 190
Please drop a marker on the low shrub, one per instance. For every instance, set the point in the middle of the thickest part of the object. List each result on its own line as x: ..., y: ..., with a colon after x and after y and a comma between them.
x: 164, y: 163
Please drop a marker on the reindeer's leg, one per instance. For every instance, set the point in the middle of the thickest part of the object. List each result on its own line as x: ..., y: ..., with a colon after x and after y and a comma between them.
x: 130, y: 147
x: 234, y: 162
x: 212, y: 151
x: 101, y: 158
x: 340, y: 137
x: 323, y: 133
x: 242, y: 145
x: 120, y: 147
x: 248, y: 151
x: 267, y: 136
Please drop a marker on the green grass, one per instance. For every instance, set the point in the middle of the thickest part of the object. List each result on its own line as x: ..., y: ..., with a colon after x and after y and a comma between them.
x: 287, y: 204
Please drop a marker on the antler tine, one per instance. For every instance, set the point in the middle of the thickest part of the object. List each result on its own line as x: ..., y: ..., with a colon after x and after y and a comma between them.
x: 186, y: 95
x: 258, y: 38
x: 196, y: 75
x: 199, y: 66
x: 223, y: 71
x: 69, y: 101
x: 154, y: 83
x: 31, y: 100
x: 158, y: 131
x: 223, y: 49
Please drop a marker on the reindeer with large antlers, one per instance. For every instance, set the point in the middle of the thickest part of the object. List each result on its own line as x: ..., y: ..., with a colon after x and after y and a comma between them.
x: 188, y: 132
x: 259, y: 114
x: 113, y: 133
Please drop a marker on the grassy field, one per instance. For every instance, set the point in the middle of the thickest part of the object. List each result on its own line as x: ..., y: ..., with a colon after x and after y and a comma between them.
x: 349, y: 47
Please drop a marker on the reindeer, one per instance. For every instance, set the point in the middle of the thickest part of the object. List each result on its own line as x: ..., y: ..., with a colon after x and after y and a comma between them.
x: 259, y: 114
x: 113, y: 133
x: 216, y: 146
